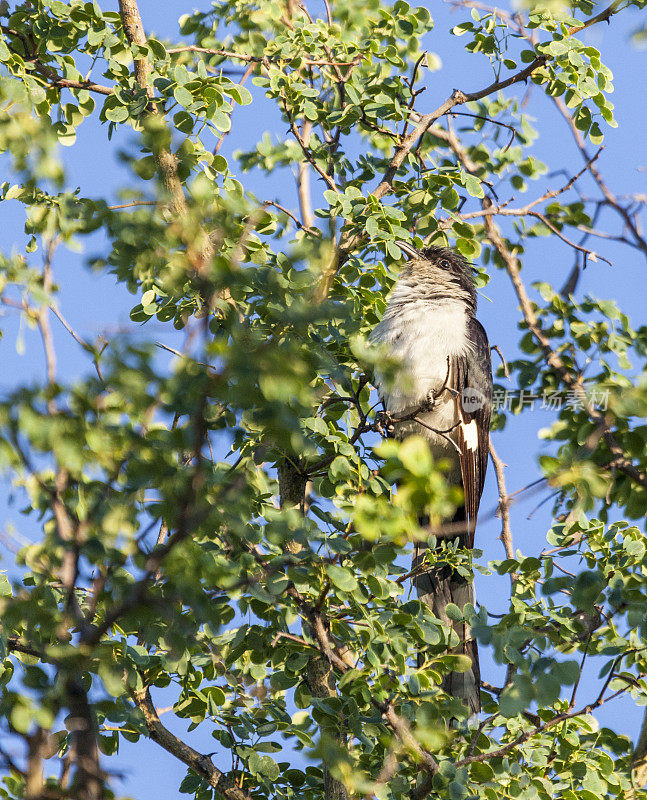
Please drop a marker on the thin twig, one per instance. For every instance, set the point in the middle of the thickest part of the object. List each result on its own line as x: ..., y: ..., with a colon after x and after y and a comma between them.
x: 506, y: 371
x: 293, y: 217
x: 639, y: 241
x: 513, y: 132
x: 242, y: 82
x: 504, y: 504
x: 43, y: 316
x: 261, y: 59
x: 554, y: 360
x: 133, y: 204
x: 307, y: 152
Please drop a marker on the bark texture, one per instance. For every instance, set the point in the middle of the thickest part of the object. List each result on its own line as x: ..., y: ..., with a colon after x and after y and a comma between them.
x: 319, y: 672
x: 639, y: 763
x: 321, y: 682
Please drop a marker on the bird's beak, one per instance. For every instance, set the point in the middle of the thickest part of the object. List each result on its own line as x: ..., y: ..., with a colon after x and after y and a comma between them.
x: 409, y: 250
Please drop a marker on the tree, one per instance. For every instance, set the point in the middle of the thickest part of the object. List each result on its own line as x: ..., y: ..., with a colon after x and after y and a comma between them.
x: 218, y: 524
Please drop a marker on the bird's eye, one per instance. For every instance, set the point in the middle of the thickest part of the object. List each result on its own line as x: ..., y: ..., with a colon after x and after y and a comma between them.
x: 445, y: 264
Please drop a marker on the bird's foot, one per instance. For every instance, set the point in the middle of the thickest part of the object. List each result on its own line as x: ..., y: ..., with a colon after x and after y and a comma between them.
x: 429, y: 403
x: 384, y: 423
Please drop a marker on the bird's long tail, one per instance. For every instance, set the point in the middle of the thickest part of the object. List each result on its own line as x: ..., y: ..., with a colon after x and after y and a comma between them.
x: 437, y: 587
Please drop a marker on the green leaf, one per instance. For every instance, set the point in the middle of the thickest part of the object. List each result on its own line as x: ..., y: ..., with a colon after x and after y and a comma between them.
x: 183, y: 96
x: 595, y: 134
x: 219, y: 163
x: 340, y: 469
x: 459, y: 662
x: 473, y: 186
x: 221, y: 121
x: 5, y: 586
x: 116, y: 114
x: 481, y: 772
x: 547, y: 689
x: 566, y: 672
x: 453, y: 612
x: 240, y: 94
x: 269, y: 768
x: 517, y: 698
x: 341, y: 577
x: 157, y: 49
x: 393, y: 250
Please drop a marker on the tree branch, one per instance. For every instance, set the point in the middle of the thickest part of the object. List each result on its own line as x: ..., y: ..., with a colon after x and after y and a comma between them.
x: 526, y: 211
x: 303, y: 181
x: 638, y: 240
x: 603, y: 16
x: 639, y: 761
x: 426, y: 785
x: 225, y: 786
x: 89, y: 778
x: 336, y: 658
x: 406, y: 144
x: 166, y: 161
x: 43, y: 317
x: 620, y: 461
x: 319, y: 673
x: 504, y: 503
x: 260, y: 59
x: 295, y: 219
x: 57, y: 81
x: 307, y: 152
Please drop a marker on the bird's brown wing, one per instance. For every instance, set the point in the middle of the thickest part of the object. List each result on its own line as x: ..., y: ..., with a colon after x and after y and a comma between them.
x: 471, y: 378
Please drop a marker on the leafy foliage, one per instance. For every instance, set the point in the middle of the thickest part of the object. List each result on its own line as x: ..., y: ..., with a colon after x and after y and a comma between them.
x: 178, y: 554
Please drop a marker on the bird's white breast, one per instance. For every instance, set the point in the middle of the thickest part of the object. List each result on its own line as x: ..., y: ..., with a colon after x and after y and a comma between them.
x: 421, y: 336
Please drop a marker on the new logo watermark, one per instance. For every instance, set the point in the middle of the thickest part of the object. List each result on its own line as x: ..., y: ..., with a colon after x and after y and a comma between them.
x: 472, y: 399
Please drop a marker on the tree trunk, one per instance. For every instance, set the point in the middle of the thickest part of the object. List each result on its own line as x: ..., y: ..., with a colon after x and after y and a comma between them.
x: 639, y: 762
x: 319, y: 673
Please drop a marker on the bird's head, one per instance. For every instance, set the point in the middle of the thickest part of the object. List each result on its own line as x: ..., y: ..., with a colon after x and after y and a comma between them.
x: 443, y: 271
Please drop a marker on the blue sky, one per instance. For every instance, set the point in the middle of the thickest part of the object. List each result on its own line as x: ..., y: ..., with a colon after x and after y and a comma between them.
x: 93, y: 303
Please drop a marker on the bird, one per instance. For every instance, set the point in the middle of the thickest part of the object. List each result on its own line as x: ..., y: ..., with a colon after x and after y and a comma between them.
x: 443, y: 392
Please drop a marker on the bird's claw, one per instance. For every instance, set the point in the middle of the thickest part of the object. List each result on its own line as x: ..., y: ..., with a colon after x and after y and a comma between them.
x: 384, y: 423
x: 429, y: 402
